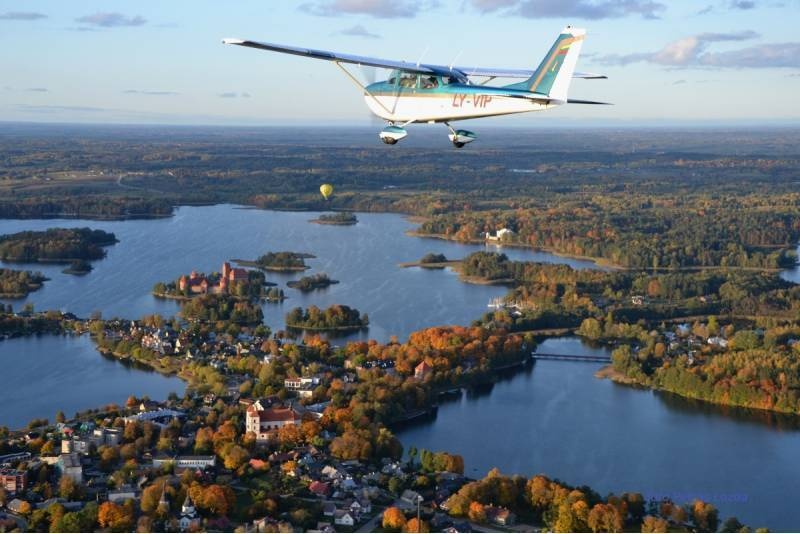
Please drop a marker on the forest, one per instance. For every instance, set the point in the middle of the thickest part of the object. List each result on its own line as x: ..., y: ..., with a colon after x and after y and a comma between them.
x: 17, y: 284
x: 335, y: 317
x: 282, y: 261
x: 341, y: 218
x: 222, y: 307
x: 55, y: 245
x: 310, y: 283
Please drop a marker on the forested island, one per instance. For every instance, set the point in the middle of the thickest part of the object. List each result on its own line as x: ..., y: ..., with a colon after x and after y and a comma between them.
x: 57, y: 245
x: 279, y: 261
x: 18, y: 284
x: 78, y: 267
x: 341, y: 218
x: 432, y: 261
x: 222, y: 307
x: 336, y: 317
x: 310, y: 283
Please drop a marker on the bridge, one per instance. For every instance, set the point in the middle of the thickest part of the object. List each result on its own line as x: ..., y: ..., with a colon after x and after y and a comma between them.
x: 571, y: 357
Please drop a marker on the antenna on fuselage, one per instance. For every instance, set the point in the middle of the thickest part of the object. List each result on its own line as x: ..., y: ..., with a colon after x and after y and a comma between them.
x: 423, y: 55
x: 452, y: 63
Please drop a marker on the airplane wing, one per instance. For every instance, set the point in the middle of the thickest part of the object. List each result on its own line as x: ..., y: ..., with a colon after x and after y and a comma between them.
x: 335, y: 56
x: 421, y: 68
x: 518, y: 73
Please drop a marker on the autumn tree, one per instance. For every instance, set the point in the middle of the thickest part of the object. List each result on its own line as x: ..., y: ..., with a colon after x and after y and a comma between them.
x: 655, y: 524
x: 414, y: 525
x: 477, y: 512
x: 393, y: 519
x: 115, y: 517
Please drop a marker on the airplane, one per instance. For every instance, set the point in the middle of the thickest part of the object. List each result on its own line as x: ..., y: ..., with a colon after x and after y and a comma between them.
x: 426, y: 93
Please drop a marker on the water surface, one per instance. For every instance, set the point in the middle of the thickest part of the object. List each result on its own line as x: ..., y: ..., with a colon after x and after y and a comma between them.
x: 556, y: 418
x: 43, y: 374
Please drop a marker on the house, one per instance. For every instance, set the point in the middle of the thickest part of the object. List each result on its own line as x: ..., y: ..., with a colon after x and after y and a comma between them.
x: 500, y: 515
x: 411, y: 497
x: 187, y: 462
x: 322, y: 489
x: 329, y: 509
x: 13, y: 481
x: 344, y: 518
x: 188, y: 519
x: 15, y: 505
x: 122, y: 494
x: 499, y: 235
x: 423, y: 370
x: 324, y: 527
x: 717, y: 341
x: 359, y: 506
x: 69, y: 465
x: 264, y: 421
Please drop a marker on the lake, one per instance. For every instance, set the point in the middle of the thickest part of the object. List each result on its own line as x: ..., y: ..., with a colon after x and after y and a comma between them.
x: 556, y: 418
x: 43, y: 374
x: 364, y: 258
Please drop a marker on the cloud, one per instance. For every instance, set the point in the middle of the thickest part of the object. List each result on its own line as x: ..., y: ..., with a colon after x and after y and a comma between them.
x: 111, y: 20
x: 359, y: 31
x: 381, y: 9
x: 775, y: 55
x: 679, y: 82
x: 22, y: 15
x: 686, y: 52
x: 36, y: 89
x: 742, y: 4
x: 149, y: 92
x: 234, y: 94
x: 581, y: 9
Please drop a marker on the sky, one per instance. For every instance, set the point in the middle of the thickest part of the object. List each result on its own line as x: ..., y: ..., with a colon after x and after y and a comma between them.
x: 120, y: 61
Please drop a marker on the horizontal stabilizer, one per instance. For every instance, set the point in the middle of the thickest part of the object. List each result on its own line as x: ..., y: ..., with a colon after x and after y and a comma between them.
x: 573, y: 101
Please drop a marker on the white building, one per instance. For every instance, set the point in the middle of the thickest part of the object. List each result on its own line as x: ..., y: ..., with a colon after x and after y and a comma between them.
x: 263, y: 422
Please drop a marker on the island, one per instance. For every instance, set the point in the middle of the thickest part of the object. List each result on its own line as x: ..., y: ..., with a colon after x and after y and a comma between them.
x: 78, y: 267
x: 336, y: 317
x: 212, y: 308
x: 341, y: 218
x: 18, y: 284
x: 279, y: 261
x: 432, y: 261
x: 56, y: 245
x: 236, y: 282
x: 310, y: 283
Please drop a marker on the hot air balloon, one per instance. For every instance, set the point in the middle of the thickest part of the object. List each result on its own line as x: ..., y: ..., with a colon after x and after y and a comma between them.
x: 326, y: 190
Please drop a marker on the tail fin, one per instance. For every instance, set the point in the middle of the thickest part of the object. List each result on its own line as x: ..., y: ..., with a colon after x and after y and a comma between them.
x: 554, y: 74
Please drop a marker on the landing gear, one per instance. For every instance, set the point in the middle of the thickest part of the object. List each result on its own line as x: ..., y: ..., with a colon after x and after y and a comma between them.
x: 392, y: 134
x: 459, y: 138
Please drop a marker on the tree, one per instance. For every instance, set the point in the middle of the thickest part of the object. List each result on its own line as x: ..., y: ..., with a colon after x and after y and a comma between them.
x: 393, y: 519
x: 605, y: 518
x: 416, y: 526
x: 234, y: 456
x: 115, y: 517
x: 705, y: 516
x: 24, y: 508
x: 218, y: 500
x: 67, y: 488
x: 655, y: 524
x: 477, y: 513
x: 60, y: 417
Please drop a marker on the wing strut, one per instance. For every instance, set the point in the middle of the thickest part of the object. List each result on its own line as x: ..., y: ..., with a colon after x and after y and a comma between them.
x: 361, y: 86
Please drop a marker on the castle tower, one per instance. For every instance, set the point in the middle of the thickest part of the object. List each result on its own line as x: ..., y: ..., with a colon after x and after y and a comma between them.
x: 226, y: 270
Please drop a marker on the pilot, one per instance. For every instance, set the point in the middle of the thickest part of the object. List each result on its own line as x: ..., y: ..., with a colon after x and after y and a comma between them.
x: 430, y: 82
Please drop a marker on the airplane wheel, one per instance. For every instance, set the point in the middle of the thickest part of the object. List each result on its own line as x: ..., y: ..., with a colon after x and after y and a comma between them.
x: 389, y: 141
x: 459, y: 145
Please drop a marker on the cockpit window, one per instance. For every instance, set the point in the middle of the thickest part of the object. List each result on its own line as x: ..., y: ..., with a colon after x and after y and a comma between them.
x: 429, y: 82
x: 408, y: 80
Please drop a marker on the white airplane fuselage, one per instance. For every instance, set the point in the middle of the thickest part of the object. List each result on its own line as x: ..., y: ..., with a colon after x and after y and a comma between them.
x: 445, y: 107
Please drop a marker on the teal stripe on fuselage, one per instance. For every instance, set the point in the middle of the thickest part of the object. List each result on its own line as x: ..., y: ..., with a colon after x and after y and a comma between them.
x: 386, y: 89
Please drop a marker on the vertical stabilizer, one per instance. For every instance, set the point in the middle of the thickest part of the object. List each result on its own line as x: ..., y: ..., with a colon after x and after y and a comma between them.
x: 554, y: 74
